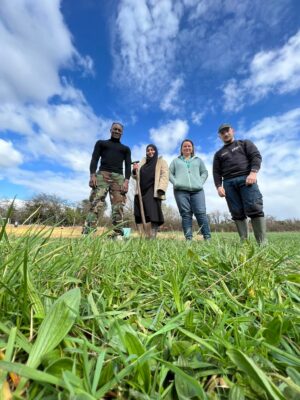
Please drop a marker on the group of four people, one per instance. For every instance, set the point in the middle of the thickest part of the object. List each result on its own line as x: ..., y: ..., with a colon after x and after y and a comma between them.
x: 235, y: 169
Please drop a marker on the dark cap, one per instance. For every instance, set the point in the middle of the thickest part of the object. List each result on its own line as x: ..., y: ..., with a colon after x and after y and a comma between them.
x: 223, y: 126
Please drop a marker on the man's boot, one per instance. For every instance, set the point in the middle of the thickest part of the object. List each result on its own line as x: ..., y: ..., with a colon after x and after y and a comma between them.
x: 242, y: 227
x: 259, y: 229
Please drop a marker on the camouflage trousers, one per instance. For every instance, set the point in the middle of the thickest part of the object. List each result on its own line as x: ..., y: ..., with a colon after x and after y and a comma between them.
x: 112, y: 183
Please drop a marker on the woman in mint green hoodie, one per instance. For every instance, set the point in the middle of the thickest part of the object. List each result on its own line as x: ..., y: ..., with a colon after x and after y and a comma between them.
x: 188, y: 174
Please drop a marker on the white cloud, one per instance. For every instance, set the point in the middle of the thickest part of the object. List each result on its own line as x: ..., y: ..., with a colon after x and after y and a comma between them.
x: 154, y: 41
x: 145, y: 44
x: 282, y: 127
x: 34, y: 45
x: 167, y: 137
x: 170, y: 101
x: 197, y: 117
x: 9, y: 156
x: 276, y: 71
x: 138, y: 151
x: 62, y: 134
x: 14, y: 119
x: 73, y: 187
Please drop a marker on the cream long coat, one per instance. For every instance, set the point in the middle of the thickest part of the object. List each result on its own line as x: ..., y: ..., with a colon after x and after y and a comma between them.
x: 161, y: 179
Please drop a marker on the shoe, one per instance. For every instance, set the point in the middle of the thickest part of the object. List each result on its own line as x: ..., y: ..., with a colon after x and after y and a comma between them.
x: 115, y: 236
x: 86, y: 230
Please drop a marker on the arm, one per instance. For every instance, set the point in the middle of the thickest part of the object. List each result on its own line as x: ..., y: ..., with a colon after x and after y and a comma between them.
x: 255, y: 158
x: 203, y: 172
x: 164, y: 177
x: 128, y: 164
x: 217, y: 174
x: 93, y: 165
x: 253, y: 155
x: 127, y: 170
x: 135, y: 168
x: 172, y: 172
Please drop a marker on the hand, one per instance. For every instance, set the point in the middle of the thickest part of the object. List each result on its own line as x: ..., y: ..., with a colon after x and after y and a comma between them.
x: 135, y: 166
x: 251, y: 178
x: 161, y: 192
x: 221, y: 191
x: 125, y: 186
x: 93, y: 181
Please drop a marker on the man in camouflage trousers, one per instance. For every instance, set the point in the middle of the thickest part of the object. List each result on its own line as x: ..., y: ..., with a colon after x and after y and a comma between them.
x: 109, y: 179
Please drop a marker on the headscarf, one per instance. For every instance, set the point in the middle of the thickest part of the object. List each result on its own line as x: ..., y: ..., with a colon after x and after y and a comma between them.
x: 147, y: 173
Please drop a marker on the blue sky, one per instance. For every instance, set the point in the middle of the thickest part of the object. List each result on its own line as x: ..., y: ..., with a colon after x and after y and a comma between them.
x: 168, y: 70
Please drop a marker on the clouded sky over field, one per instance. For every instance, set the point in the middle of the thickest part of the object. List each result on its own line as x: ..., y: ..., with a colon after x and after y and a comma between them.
x: 168, y: 69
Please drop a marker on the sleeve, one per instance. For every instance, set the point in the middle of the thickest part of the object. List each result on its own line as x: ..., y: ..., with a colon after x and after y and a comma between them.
x: 133, y: 174
x: 172, y: 172
x: 203, y: 172
x: 217, y: 174
x: 164, y: 176
x: 128, y: 163
x: 95, y: 157
x: 253, y: 155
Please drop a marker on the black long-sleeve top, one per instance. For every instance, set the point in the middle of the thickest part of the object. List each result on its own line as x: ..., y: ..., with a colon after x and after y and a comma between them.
x: 235, y: 159
x: 113, y: 154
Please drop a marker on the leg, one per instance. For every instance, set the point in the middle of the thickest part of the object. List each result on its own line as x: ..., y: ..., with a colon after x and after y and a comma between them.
x: 253, y: 202
x: 199, y: 210
x: 154, y: 230
x: 235, y: 204
x: 117, y: 199
x: 185, y: 210
x: 97, y: 204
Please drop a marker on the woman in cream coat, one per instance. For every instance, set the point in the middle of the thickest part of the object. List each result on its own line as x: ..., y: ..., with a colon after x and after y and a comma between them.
x: 153, y: 177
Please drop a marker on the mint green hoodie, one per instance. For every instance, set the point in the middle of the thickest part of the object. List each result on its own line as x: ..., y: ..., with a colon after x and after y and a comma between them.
x: 189, y: 174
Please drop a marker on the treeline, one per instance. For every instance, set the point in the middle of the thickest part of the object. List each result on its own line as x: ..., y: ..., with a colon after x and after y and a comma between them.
x: 52, y: 210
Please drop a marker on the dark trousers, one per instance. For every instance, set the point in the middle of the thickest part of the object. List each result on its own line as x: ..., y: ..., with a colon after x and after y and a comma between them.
x: 243, y: 200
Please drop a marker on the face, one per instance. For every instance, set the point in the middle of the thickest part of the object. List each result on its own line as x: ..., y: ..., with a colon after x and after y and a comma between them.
x: 150, y: 151
x: 187, y: 149
x: 116, y: 131
x: 227, y: 135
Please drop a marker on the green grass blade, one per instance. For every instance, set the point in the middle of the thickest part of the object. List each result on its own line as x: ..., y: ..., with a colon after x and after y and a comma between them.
x: 55, y: 326
x: 199, y: 340
x: 135, y: 347
x: 283, y: 356
x: 31, y: 373
x: 98, y: 369
x: 185, y: 381
x: 247, y: 365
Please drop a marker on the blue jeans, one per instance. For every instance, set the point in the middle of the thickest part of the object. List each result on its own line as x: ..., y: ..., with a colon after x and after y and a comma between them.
x: 190, y: 203
x: 243, y: 200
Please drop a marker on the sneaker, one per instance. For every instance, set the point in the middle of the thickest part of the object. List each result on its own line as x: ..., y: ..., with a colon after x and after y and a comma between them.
x: 115, y: 236
x: 86, y: 230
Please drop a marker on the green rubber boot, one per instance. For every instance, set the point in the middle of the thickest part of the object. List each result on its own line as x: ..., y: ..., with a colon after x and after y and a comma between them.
x: 259, y: 229
x: 242, y: 227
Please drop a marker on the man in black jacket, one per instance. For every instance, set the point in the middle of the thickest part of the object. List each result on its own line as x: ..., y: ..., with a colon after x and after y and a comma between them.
x: 235, y: 169
x: 109, y: 179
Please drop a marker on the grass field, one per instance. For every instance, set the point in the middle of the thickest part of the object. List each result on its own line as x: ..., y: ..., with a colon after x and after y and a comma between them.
x: 89, y: 318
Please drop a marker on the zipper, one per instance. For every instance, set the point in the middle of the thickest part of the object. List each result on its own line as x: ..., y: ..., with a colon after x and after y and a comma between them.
x: 188, y: 166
